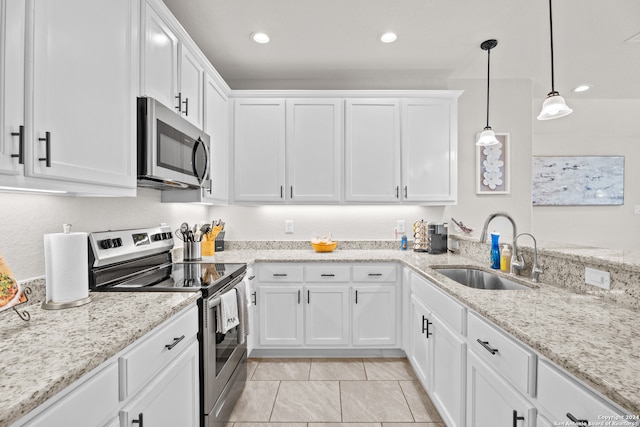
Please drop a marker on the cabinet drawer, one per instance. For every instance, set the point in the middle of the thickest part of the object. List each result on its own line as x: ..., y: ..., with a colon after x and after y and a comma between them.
x: 503, y: 353
x: 140, y: 364
x: 280, y: 273
x: 560, y: 395
x: 327, y: 273
x: 375, y: 273
x: 450, y: 311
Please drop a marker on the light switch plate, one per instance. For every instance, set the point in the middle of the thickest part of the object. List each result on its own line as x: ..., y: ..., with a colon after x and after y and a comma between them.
x: 288, y: 226
x: 401, y: 226
x: 601, y: 279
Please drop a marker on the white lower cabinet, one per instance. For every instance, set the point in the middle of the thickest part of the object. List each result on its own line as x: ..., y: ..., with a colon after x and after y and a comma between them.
x: 280, y: 318
x: 418, y: 348
x: 491, y: 401
x: 326, y: 315
x: 374, y: 319
x: 171, y: 399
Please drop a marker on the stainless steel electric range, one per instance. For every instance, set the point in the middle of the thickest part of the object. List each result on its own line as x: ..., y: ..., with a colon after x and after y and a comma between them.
x: 139, y: 260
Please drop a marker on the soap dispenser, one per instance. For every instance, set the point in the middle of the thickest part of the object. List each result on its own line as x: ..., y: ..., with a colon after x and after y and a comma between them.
x: 495, y: 251
x: 505, y: 258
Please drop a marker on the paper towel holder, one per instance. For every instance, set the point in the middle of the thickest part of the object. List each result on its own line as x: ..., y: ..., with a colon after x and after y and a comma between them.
x: 52, y: 305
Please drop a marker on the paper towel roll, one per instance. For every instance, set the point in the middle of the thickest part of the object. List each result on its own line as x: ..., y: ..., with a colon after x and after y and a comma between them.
x: 66, y: 266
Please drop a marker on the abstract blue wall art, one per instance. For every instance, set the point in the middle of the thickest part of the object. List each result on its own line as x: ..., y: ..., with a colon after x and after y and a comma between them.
x: 576, y: 181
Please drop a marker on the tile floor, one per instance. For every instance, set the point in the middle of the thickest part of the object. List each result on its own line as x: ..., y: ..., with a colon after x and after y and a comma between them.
x: 333, y: 392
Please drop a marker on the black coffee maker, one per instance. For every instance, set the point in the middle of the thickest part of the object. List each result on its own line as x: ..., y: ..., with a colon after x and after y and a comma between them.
x: 437, y: 235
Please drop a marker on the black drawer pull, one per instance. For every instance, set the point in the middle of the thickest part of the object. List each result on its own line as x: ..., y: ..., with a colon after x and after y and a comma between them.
x: 20, y: 135
x: 174, y: 343
x: 516, y: 418
x: 279, y: 274
x: 327, y: 275
x: 427, y: 333
x: 577, y: 422
x: 356, y: 297
x: 375, y: 274
x: 485, y: 344
x: 251, y: 277
x: 255, y: 298
x: 138, y: 421
x: 179, y: 106
x: 47, y: 149
x: 186, y: 106
x: 298, y: 296
x: 308, y: 296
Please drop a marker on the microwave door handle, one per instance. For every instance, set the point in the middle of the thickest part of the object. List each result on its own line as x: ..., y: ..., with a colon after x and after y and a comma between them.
x: 193, y: 160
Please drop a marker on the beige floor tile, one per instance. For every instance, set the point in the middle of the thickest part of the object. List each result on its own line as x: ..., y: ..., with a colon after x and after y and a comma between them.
x: 388, y: 369
x: 252, y: 364
x: 270, y: 425
x: 307, y: 401
x: 373, y: 401
x: 256, y: 401
x: 344, y: 425
x: 282, y: 370
x: 337, y: 369
x: 419, y: 403
x: 411, y: 425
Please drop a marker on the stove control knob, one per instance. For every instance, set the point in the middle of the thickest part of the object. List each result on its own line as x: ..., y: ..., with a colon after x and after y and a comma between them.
x: 166, y: 236
x: 156, y: 237
x: 117, y: 242
x: 106, y: 244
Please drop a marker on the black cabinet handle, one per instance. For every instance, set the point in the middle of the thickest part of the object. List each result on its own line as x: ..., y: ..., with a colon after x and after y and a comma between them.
x: 308, y: 296
x: 298, y: 296
x: 516, y: 418
x: 47, y: 149
x: 279, y: 274
x: 577, y: 422
x: 179, y: 106
x: 375, y: 274
x: 281, y: 192
x: 424, y: 324
x: 291, y: 192
x: 485, y: 344
x: 356, y: 297
x: 405, y: 191
x: 20, y: 135
x: 397, y: 191
x: 255, y: 298
x: 174, y: 343
x: 428, y: 334
x: 252, y: 277
x: 186, y: 106
x: 327, y: 275
x: 138, y: 421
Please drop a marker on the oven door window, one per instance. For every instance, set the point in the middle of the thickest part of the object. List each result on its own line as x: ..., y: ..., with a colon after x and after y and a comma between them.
x: 175, y: 149
x: 225, y: 344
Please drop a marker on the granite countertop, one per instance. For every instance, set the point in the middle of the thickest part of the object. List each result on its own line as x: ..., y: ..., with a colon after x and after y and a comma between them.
x: 591, y: 338
x: 56, y: 347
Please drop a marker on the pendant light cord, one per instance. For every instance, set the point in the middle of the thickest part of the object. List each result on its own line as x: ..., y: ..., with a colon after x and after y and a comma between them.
x: 553, y: 87
x: 488, y: 74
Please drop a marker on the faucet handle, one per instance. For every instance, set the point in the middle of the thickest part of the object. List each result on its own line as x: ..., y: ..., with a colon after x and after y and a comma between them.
x: 536, y: 271
x: 517, y: 263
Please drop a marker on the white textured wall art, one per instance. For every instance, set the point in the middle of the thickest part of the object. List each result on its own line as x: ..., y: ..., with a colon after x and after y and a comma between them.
x: 493, y: 168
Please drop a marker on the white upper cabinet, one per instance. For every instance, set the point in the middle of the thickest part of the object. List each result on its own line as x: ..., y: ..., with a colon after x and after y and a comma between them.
x: 372, y: 150
x: 82, y: 98
x: 191, y: 87
x: 159, y: 59
x: 429, y: 150
x: 171, y: 72
x: 314, y: 150
x: 216, y: 125
x: 12, y: 43
x: 259, y: 150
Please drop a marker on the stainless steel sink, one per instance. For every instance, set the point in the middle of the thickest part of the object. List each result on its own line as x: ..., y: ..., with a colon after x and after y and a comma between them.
x: 480, y: 279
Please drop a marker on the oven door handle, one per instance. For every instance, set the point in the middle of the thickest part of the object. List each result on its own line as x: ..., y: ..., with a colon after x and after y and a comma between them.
x: 214, y: 302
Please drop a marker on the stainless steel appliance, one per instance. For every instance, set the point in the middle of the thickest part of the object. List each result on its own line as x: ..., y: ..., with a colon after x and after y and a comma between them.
x: 172, y: 153
x: 140, y: 260
x: 438, y: 234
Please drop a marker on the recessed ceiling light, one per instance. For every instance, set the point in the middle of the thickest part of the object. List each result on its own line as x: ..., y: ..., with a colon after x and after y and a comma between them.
x: 388, y: 37
x: 261, y: 38
x: 582, y: 88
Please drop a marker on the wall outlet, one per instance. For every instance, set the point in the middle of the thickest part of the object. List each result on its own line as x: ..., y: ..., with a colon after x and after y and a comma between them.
x: 288, y: 226
x: 401, y: 226
x: 601, y: 279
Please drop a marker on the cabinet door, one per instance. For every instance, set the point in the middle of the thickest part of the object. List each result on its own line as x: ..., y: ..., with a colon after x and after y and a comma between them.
x: 326, y: 315
x: 259, y: 150
x: 85, y: 112
x: 314, y: 150
x: 191, y: 87
x: 448, y: 362
x: 429, y: 147
x: 216, y: 125
x: 12, y: 45
x: 374, y: 320
x: 372, y: 150
x: 491, y: 401
x: 172, y: 399
x: 160, y: 59
x: 418, y: 349
x: 280, y: 315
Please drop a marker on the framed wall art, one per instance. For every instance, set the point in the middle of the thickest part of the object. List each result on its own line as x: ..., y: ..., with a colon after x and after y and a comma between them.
x: 493, y: 168
x: 577, y: 181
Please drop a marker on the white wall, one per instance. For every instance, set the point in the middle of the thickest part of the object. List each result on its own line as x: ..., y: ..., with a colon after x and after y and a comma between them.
x: 26, y: 218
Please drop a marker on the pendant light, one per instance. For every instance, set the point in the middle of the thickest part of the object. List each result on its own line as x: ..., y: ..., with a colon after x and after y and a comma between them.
x: 554, y: 106
x: 488, y: 136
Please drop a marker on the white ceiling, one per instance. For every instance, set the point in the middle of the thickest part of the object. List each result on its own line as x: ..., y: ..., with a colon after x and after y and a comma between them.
x: 333, y: 44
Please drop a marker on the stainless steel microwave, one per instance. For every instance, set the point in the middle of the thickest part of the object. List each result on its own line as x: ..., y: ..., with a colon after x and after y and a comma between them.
x: 172, y: 153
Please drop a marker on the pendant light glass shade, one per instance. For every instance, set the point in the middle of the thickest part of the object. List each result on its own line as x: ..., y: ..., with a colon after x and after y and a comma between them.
x: 488, y: 136
x: 554, y: 106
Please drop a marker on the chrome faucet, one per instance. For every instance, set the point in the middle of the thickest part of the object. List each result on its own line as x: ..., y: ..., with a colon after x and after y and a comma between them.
x: 483, y: 237
x: 518, y: 260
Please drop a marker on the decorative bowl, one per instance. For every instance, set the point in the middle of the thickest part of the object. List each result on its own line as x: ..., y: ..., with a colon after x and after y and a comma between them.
x: 324, y: 247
